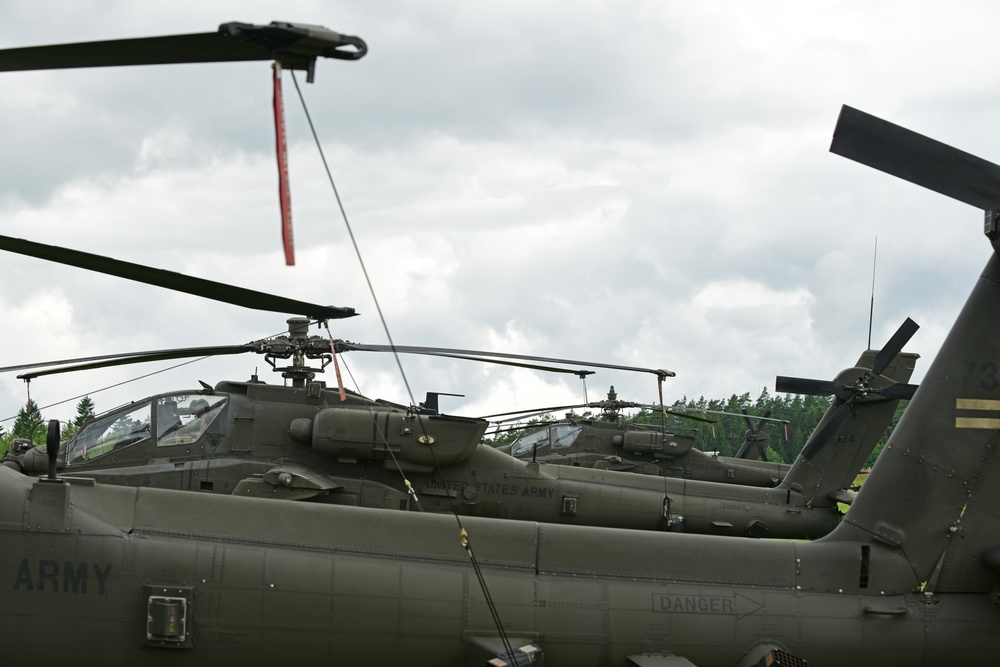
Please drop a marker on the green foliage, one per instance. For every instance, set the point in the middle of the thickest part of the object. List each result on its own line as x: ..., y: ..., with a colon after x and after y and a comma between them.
x: 84, y: 412
x: 28, y: 423
x: 786, y: 441
x: 726, y: 436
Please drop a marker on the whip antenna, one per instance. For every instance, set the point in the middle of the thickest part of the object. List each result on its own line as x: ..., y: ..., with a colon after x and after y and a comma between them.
x: 871, y: 307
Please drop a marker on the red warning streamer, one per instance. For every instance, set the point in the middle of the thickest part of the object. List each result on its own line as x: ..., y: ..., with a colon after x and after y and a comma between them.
x: 284, y: 194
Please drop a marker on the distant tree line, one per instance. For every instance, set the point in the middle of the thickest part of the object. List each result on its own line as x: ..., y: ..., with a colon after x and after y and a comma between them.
x: 31, y: 425
x: 726, y: 435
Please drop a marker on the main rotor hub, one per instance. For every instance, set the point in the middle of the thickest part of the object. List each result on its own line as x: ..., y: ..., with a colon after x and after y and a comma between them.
x: 297, y: 346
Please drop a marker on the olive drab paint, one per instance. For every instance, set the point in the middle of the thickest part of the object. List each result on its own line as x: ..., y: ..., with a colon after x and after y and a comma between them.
x: 65, y: 577
x: 101, y: 574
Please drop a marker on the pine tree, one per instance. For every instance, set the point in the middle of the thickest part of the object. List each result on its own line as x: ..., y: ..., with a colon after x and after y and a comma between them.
x: 84, y: 411
x: 26, y: 424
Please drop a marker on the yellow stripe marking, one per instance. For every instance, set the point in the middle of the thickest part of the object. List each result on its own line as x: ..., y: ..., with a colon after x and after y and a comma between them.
x: 976, y: 404
x: 966, y: 422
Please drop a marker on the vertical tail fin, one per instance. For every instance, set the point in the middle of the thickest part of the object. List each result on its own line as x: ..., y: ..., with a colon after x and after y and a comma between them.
x: 935, y: 491
x: 837, y: 462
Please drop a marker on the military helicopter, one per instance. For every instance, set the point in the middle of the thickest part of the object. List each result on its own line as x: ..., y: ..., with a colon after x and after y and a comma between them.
x: 304, y: 441
x: 611, y: 443
x: 911, y: 575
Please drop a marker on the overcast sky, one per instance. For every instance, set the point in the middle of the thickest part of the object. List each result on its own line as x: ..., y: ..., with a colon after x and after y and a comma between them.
x: 640, y: 183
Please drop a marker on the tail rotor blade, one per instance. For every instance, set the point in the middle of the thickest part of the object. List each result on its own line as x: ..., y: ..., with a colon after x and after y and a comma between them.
x: 761, y: 451
x: 760, y: 422
x: 894, y: 346
x: 901, y: 391
x: 792, y: 385
x: 848, y: 393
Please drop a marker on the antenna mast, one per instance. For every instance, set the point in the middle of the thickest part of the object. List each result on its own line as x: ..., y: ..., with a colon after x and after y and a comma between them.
x: 871, y: 308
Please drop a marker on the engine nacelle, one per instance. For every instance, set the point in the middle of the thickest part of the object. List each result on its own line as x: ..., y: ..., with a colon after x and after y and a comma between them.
x: 370, y: 436
x: 651, y: 442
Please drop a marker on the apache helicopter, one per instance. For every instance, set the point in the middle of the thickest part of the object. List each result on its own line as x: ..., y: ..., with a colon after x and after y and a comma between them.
x: 308, y: 442
x: 609, y: 442
x: 911, y: 576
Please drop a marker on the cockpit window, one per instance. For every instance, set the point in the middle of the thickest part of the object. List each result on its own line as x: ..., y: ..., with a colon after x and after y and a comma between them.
x: 182, y: 418
x: 526, y: 443
x: 562, y: 435
x: 104, y: 435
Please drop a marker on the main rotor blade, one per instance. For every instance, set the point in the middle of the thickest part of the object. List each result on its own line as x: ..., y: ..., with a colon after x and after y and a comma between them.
x: 535, y: 367
x: 178, y: 282
x: 121, y: 355
x: 295, y: 46
x: 657, y: 408
x: 347, y: 346
x: 603, y: 404
x: 894, y: 346
x: 684, y: 415
x: 915, y: 158
x: 534, y: 411
x: 141, y: 358
x: 681, y: 412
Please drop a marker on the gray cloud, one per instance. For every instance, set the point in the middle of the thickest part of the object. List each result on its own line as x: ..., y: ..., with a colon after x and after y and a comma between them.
x: 647, y: 185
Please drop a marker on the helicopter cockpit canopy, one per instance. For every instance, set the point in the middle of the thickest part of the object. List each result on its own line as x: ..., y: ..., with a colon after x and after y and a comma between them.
x: 175, y: 419
x: 558, y: 436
